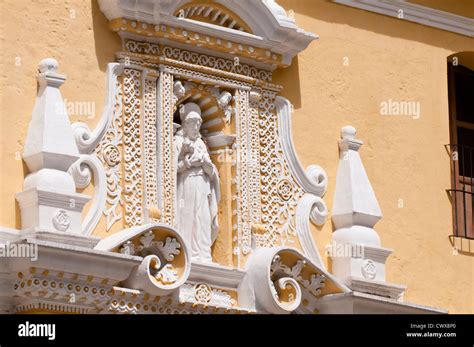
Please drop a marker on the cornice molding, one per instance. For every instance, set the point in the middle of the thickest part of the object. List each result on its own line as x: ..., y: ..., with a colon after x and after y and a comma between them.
x: 416, y: 13
x: 272, y: 29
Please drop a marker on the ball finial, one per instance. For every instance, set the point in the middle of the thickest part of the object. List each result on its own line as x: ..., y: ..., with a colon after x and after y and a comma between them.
x: 48, y: 65
x: 348, y: 132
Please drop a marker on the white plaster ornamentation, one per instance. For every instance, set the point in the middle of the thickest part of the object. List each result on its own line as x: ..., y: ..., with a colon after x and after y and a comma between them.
x: 205, y: 294
x: 280, y: 284
x: 132, y: 139
x: 313, y: 181
x: 61, y: 220
x: 86, y: 139
x: 368, y: 269
x: 355, y: 212
x: 103, y: 165
x: 223, y: 101
x: 272, y: 28
x: 165, y: 258
x: 150, y: 152
x: 202, y: 292
x: 156, y: 178
x: 283, y: 186
x: 82, y: 171
x: 49, y: 152
x: 178, y: 91
x: 166, y: 161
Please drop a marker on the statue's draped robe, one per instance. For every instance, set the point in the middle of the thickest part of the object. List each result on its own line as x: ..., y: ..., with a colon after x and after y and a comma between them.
x: 198, y: 194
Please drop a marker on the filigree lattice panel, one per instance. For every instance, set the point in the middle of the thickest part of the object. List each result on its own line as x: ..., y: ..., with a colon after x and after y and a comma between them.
x: 149, y: 143
x: 279, y: 191
x: 243, y: 238
x: 133, y: 174
x: 248, y: 210
x: 253, y: 140
x: 165, y: 126
x: 182, y: 55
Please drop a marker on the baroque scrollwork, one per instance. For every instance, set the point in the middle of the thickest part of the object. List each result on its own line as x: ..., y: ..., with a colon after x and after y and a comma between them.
x: 101, y: 156
x: 314, y: 284
x: 109, y: 152
x: 166, y: 250
x: 282, y: 279
x: 86, y: 139
x: 314, y: 179
x: 165, y: 261
x: 82, y: 171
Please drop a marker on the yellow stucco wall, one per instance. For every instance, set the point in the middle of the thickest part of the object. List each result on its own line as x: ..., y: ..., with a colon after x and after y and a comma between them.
x: 388, y: 59
x: 76, y: 34
x: 404, y: 158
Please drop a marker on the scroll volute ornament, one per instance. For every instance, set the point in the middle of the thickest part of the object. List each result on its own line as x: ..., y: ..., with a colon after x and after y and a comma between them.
x: 281, y: 277
x: 165, y: 264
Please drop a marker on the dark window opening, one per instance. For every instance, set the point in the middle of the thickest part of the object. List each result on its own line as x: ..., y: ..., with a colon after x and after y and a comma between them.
x: 461, y: 115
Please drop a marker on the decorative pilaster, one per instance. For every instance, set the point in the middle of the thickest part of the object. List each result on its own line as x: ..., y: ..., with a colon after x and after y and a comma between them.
x: 166, y: 162
x: 356, y: 253
x: 152, y: 213
x: 132, y: 138
x: 49, y: 202
x: 242, y: 245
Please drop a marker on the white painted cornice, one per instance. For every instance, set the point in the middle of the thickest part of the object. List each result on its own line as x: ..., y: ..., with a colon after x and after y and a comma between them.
x: 218, y: 275
x: 272, y: 28
x: 416, y: 13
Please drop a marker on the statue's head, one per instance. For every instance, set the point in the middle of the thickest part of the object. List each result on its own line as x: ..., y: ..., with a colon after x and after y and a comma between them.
x: 191, y: 120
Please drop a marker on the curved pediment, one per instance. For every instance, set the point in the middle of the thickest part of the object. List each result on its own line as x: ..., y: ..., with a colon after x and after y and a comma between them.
x: 212, y: 13
x: 258, y: 31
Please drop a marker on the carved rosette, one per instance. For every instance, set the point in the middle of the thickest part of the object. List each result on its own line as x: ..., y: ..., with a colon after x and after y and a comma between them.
x: 203, y: 293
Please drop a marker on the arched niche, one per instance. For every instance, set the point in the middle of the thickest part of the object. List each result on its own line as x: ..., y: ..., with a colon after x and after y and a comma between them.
x: 218, y: 131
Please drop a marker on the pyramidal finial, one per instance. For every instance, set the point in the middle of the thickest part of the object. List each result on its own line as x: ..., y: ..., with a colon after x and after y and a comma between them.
x: 50, y: 142
x: 355, y: 203
x: 49, y: 202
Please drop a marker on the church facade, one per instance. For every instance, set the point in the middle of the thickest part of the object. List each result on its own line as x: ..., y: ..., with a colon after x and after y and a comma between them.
x: 186, y: 194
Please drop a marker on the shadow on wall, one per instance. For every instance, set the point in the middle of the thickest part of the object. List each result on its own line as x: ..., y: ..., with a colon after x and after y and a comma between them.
x: 330, y: 12
x: 289, y: 78
x: 107, y: 42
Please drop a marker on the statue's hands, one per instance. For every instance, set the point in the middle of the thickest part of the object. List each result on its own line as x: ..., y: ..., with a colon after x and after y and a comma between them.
x: 192, y: 161
x: 197, y: 162
x: 187, y: 162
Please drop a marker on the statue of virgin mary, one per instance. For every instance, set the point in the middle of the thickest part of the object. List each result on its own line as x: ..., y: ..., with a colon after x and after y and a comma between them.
x: 198, y: 190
